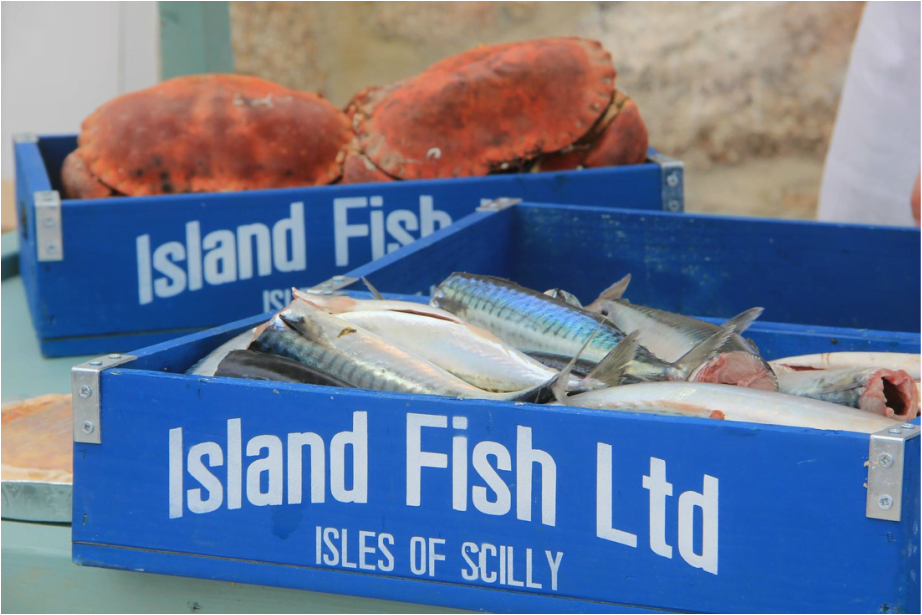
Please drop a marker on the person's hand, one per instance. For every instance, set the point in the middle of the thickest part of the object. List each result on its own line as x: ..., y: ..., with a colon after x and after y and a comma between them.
x: 914, y: 201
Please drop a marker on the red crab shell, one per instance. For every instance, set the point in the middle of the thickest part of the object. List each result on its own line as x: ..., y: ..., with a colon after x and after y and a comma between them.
x: 78, y: 182
x: 489, y: 109
x: 619, y: 138
x: 209, y: 133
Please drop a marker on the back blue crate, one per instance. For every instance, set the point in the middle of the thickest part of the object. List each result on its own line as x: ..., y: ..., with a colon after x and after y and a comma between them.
x: 143, y: 269
x: 802, y: 273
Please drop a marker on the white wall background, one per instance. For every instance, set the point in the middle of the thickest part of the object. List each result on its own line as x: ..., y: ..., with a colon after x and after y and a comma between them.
x: 61, y: 60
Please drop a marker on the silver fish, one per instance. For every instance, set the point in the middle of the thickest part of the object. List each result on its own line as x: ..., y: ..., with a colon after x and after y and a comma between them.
x: 531, y: 321
x: 908, y: 362
x: 338, y: 304
x: 208, y: 365
x: 365, y: 360
x: 890, y: 393
x: 671, y: 336
x: 705, y: 400
x: 467, y: 351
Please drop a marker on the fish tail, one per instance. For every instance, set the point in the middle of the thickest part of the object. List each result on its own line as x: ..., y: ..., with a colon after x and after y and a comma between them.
x: 374, y: 291
x: 741, y: 322
x: 615, y: 292
x: 558, y: 384
x: 702, y: 354
x: 611, y: 369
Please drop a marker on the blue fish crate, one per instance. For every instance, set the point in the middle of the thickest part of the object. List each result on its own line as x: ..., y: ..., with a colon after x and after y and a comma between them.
x: 112, y: 274
x: 515, y: 507
x: 805, y: 274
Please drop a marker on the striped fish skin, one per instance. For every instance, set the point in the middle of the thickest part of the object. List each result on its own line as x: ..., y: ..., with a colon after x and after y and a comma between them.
x: 309, y: 334
x: 255, y: 365
x: 558, y: 362
x: 532, y: 321
x: 342, y: 304
x: 471, y: 353
x: 374, y: 365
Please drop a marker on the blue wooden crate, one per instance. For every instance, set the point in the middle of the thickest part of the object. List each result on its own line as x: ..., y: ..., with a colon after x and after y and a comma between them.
x: 504, y: 507
x: 113, y: 274
x: 802, y: 273
x: 775, y: 519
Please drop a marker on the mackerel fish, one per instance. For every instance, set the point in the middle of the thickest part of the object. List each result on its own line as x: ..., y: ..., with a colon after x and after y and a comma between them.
x: 308, y: 334
x: 671, y: 336
x: 531, y: 321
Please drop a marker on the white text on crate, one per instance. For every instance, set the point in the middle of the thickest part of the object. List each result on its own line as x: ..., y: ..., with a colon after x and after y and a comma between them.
x: 267, y: 469
x: 220, y: 257
x: 402, y: 226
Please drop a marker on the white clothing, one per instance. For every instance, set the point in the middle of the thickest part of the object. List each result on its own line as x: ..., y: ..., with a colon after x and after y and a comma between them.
x: 874, y: 155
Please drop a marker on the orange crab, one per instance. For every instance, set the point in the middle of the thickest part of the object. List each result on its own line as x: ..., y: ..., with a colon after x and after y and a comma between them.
x: 207, y: 133
x: 544, y: 104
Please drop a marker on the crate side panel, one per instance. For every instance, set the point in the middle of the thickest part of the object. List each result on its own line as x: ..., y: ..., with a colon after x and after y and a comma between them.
x: 779, y: 340
x: 800, y: 272
x: 54, y: 150
x: 30, y: 178
x: 199, y: 260
x: 773, y: 496
x: 368, y: 586
x: 479, y: 242
x: 909, y: 577
x: 633, y: 187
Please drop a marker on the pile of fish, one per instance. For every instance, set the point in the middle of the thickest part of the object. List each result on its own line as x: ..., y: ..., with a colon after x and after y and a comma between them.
x: 482, y: 337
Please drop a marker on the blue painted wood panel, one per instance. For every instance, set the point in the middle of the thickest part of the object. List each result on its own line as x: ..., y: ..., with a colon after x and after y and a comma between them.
x: 806, y: 273
x: 155, y: 265
x: 778, y: 524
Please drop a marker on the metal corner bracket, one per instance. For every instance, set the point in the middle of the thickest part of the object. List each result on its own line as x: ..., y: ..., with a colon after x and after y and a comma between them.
x: 49, y: 243
x: 87, y: 396
x: 885, y: 471
x: 497, y: 204
x: 672, y: 174
x: 25, y: 137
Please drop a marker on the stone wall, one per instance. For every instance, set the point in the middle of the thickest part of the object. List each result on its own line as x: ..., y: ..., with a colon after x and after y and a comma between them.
x: 718, y: 84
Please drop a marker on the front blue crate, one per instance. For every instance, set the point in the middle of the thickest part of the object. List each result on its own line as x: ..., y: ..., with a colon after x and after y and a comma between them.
x: 503, y: 507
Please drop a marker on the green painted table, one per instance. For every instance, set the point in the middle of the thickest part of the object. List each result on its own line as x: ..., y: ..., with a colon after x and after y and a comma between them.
x: 37, y: 573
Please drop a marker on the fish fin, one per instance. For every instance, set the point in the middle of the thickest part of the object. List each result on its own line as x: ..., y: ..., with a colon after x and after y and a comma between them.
x: 741, y: 322
x: 703, y: 352
x: 615, y: 292
x: 611, y: 368
x: 374, y: 291
x: 562, y: 295
x: 558, y: 384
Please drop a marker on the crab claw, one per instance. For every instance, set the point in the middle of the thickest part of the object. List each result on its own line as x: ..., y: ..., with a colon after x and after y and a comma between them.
x: 359, y: 169
x: 619, y: 138
x: 624, y: 140
x: 78, y: 182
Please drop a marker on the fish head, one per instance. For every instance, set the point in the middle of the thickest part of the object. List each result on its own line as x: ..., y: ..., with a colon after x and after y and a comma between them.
x: 737, y: 368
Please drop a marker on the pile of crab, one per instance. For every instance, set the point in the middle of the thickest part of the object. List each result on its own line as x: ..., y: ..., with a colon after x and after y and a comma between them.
x: 542, y: 105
